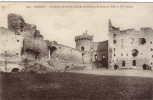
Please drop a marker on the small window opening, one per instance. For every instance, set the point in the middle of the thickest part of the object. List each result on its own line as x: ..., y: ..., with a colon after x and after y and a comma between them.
x: 121, y: 40
x: 114, y: 41
x: 142, y: 41
x: 121, y: 54
x: 96, y: 56
x: 103, y: 57
x: 132, y: 40
x: 134, y: 52
x: 82, y: 48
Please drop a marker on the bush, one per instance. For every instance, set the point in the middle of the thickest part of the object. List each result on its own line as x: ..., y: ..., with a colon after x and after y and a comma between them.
x: 36, y: 68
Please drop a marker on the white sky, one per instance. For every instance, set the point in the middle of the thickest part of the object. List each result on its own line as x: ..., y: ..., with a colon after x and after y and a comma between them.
x: 63, y: 24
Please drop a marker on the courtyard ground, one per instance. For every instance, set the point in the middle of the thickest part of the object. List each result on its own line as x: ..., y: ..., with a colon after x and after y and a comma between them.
x: 118, y: 72
x: 80, y: 85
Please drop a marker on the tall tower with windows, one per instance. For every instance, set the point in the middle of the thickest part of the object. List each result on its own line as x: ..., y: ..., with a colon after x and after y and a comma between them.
x: 84, y: 42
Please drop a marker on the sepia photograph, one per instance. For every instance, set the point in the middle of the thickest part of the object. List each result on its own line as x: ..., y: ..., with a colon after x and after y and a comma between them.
x: 76, y: 51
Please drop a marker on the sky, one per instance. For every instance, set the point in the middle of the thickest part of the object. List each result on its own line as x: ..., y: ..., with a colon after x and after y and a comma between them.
x: 61, y: 22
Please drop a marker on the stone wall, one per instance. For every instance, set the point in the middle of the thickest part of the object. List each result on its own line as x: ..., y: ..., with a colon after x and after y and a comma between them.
x: 36, y: 45
x: 68, y: 55
x: 25, y: 46
x: 10, y: 52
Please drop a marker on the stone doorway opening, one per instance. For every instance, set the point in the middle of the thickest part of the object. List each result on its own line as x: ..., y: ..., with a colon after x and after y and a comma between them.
x: 123, y: 63
x: 52, y: 52
x: 15, y: 70
x: 116, y: 67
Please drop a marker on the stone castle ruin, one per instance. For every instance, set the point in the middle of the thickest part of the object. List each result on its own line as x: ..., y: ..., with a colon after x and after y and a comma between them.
x: 129, y: 48
x: 24, y: 48
x: 22, y: 45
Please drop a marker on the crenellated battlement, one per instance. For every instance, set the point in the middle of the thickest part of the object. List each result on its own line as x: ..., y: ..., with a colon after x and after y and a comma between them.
x: 85, y: 36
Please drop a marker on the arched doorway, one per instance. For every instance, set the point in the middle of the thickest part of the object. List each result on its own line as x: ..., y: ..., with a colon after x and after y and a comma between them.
x: 116, y: 66
x: 123, y: 63
x: 15, y: 70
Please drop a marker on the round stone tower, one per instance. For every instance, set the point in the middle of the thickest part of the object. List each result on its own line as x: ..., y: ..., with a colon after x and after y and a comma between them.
x: 84, y: 42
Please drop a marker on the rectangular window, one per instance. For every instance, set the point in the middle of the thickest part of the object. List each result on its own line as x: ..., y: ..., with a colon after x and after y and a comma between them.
x: 121, y: 43
x: 121, y: 40
x: 114, y: 50
x: 114, y: 41
x: 114, y: 35
x: 82, y: 48
x: 134, y: 62
x: 131, y: 40
x: 121, y: 54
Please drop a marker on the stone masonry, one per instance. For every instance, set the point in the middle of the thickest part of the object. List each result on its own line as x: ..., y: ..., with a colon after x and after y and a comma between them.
x: 129, y: 48
x: 22, y: 45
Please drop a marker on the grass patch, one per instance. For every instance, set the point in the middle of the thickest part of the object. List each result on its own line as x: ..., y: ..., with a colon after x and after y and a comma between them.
x: 66, y: 85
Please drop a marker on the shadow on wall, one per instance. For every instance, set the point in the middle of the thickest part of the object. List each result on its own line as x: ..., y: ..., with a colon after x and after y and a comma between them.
x: 52, y: 52
x: 101, y: 58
